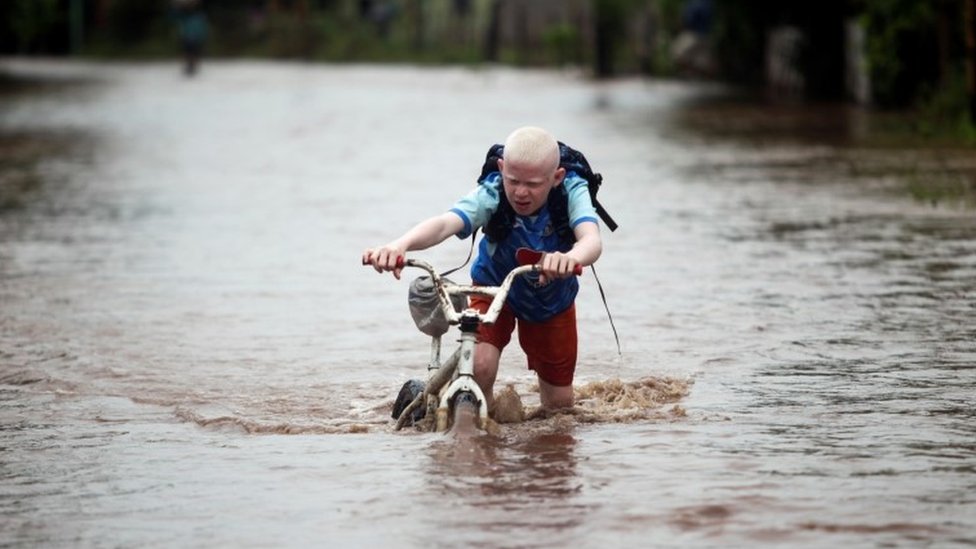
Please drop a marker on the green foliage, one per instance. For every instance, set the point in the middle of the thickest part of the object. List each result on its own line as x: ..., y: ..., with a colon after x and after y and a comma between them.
x: 739, y: 38
x: 916, y: 61
x: 563, y: 43
x: 898, y: 32
x: 132, y: 29
x: 30, y: 21
x: 611, y: 20
x: 944, y: 110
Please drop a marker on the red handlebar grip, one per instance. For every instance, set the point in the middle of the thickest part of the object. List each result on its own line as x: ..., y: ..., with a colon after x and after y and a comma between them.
x: 578, y: 270
x: 399, y: 264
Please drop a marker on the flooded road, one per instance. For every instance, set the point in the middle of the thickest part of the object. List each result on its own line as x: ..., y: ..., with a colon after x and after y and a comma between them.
x: 191, y: 354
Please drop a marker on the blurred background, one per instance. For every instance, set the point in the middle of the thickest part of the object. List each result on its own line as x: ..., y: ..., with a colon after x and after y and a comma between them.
x: 889, y: 54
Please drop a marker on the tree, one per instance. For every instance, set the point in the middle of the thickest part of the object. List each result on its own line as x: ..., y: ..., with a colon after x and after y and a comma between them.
x: 610, y: 17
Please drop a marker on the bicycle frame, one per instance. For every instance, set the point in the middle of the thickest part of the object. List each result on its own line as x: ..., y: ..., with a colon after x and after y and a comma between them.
x: 457, y: 373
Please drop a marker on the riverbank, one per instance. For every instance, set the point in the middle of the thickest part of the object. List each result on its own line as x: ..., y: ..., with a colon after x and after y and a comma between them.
x: 21, y: 154
x: 23, y: 150
x: 855, y: 142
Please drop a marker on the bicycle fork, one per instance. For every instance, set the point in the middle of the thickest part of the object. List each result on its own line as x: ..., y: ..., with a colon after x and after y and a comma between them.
x: 464, y: 382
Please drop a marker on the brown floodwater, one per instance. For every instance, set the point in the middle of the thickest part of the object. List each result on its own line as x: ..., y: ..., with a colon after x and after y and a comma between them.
x: 192, y: 355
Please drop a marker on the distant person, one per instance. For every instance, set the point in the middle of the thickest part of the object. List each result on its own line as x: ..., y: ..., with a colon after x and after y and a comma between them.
x: 192, y: 27
x: 524, y: 199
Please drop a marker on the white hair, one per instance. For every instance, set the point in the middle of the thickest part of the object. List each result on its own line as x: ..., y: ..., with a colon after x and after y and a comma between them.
x: 531, y: 145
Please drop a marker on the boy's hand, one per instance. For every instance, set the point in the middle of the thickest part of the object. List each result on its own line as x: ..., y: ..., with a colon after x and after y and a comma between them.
x: 385, y: 258
x: 557, y: 265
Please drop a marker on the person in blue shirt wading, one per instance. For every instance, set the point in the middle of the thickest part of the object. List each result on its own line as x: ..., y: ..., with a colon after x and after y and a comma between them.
x: 531, y: 201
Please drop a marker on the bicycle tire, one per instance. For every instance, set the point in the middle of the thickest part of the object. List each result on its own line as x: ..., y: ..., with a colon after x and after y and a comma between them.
x: 408, y: 392
x: 465, y: 413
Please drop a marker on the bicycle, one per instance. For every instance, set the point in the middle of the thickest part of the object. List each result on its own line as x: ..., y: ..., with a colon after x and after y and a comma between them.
x: 451, y: 391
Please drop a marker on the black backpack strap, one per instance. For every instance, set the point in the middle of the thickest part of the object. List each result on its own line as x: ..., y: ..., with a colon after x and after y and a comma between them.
x: 470, y: 255
x: 490, y: 166
x: 572, y: 160
x: 558, y: 205
x: 600, y: 210
x: 500, y: 224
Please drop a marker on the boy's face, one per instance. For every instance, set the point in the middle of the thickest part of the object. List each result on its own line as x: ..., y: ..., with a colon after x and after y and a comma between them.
x: 527, y: 185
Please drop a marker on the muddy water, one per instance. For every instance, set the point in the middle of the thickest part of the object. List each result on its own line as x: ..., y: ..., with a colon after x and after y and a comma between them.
x: 190, y: 354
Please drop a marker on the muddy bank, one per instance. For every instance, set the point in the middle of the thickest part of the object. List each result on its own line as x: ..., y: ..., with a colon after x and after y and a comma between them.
x: 24, y: 156
x: 835, y: 142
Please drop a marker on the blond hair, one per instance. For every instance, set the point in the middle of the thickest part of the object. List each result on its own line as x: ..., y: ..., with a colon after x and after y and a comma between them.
x: 531, y: 145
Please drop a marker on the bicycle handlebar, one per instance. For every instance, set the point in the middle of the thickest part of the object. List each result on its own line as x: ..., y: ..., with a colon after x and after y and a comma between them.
x: 402, y: 262
x: 498, y: 293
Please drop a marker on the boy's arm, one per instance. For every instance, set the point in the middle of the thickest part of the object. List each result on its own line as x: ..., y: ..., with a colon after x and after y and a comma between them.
x: 425, y: 234
x: 585, y: 251
x: 588, y: 245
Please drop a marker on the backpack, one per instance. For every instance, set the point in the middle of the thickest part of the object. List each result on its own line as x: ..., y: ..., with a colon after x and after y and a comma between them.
x: 571, y: 160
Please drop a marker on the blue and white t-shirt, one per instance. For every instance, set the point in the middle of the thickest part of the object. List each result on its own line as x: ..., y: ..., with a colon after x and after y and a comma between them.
x: 496, y: 260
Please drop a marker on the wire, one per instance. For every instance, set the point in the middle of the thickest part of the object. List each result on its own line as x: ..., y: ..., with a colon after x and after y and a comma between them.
x: 603, y: 296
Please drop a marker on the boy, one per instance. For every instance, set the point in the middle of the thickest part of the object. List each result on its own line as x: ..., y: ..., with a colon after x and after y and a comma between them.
x: 544, y: 310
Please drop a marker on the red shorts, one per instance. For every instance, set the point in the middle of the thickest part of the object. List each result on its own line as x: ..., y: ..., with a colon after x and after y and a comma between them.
x: 550, y: 346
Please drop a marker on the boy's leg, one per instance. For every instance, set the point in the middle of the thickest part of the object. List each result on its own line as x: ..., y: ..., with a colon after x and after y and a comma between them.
x: 491, y: 340
x: 551, y: 348
x: 486, y: 357
x: 554, y: 397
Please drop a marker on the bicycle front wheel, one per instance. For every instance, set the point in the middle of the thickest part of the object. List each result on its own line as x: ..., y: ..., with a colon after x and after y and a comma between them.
x: 465, y: 413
